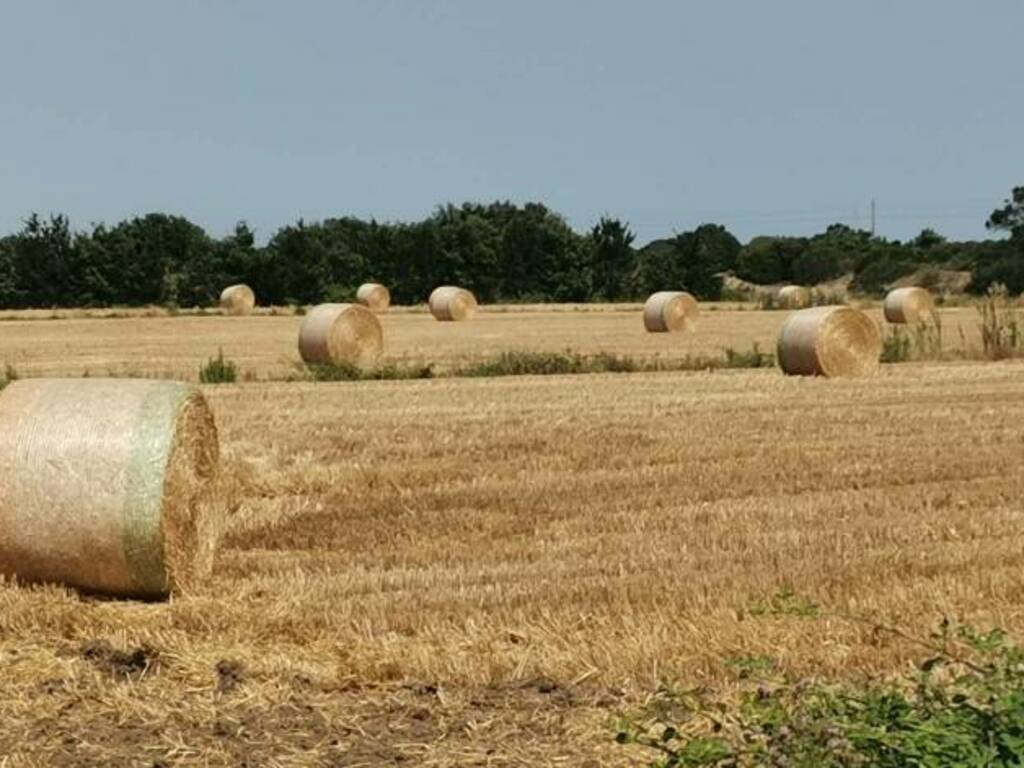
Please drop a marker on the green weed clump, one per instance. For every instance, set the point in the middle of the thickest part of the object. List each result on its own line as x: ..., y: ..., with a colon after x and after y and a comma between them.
x: 963, y: 705
x: 528, y: 363
x: 218, y: 370
x: 532, y: 363
x: 752, y: 358
x: 349, y: 372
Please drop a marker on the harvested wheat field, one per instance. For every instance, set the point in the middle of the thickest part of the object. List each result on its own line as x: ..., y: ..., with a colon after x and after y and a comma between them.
x: 264, y: 346
x: 486, y: 571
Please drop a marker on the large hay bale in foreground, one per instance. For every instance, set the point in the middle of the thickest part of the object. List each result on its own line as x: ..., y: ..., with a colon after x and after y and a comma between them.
x: 667, y: 311
x: 102, y: 481
x: 909, y: 305
x: 374, y: 296
x: 794, y: 296
x: 449, y: 303
x: 237, y: 300
x: 336, y: 334
x: 829, y: 341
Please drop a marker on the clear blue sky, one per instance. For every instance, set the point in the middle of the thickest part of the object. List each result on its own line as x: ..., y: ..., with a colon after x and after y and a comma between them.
x: 768, y: 117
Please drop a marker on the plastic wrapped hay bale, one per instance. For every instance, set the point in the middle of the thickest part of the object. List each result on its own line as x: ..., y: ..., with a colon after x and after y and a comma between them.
x: 336, y: 334
x: 667, y: 311
x: 374, y: 297
x: 449, y: 303
x: 909, y: 305
x: 794, y: 296
x: 102, y: 483
x: 237, y: 300
x: 829, y: 341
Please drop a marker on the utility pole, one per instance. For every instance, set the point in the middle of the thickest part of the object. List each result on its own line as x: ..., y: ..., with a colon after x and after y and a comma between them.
x: 872, y: 217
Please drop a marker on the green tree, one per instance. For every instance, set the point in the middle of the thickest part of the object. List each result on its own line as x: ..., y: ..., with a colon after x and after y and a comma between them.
x: 612, y: 258
x: 157, y: 259
x: 692, y: 260
x: 44, y: 260
x: 540, y: 255
x: 8, y: 275
x: 769, y: 260
x: 1010, y: 217
x: 928, y: 239
x: 296, y: 267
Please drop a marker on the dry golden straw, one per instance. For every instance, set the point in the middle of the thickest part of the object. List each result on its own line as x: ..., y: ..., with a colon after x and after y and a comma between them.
x: 237, y: 300
x: 667, y: 311
x: 374, y: 297
x: 336, y: 334
x: 909, y: 305
x: 794, y: 296
x: 101, y: 483
x: 451, y: 303
x: 829, y: 341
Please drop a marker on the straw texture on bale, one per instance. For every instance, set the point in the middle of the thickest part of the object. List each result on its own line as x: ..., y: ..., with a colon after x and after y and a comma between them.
x: 102, y: 483
x: 335, y: 334
x: 237, y: 300
x: 374, y: 297
x: 794, y: 296
x: 909, y: 305
x: 667, y: 311
x: 829, y: 341
x: 451, y: 303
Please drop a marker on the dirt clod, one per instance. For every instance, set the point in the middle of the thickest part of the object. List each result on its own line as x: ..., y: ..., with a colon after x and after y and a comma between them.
x: 130, y: 664
x: 230, y: 675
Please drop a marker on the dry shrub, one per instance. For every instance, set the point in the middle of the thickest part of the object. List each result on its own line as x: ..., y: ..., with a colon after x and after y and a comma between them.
x: 667, y: 311
x: 374, y: 297
x: 340, y: 333
x: 1002, y: 333
x: 237, y: 300
x: 103, y: 483
x: 449, y: 303
x: 829, y: 341
x: 794, y: 297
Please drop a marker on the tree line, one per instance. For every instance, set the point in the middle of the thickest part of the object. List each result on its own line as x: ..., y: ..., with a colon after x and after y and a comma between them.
x: 500, y: 251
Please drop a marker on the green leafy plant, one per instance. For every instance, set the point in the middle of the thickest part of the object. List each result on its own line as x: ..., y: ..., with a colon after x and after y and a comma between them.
x: 963, y: 705
x: 217, y: 370
x: 753, y: 358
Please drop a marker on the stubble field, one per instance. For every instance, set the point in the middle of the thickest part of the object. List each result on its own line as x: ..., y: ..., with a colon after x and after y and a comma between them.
x: 486, y: 571
x: 264, y: 346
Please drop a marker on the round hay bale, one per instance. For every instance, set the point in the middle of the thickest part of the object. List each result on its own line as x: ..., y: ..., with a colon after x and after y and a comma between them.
x: 794, y: 296
x: 909, y: 305
x: 237, y: 300
x: 829, y: 341
x: 336, y: 334
x: 667, y: 311
x: 374, y: 296
x: 450, y: 303
x: 102, y: 482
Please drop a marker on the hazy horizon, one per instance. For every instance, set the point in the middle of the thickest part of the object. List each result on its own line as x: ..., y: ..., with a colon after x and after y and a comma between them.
x: 776, y: 119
